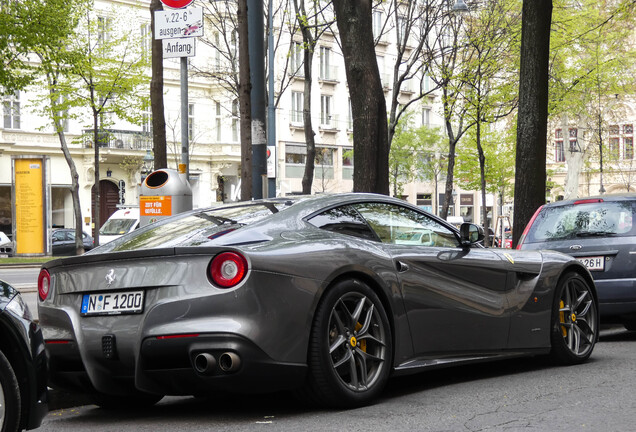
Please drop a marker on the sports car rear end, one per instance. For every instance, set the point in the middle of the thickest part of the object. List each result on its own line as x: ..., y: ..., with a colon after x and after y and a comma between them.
x: 169, y: 320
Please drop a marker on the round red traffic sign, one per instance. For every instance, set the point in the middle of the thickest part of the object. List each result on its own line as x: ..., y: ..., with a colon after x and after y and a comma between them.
x: 176, y: 4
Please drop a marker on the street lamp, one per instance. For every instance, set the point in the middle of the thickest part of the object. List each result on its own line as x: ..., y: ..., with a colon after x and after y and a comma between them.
x: 460, y: 7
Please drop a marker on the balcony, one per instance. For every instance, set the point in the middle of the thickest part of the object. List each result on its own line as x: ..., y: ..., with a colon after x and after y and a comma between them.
x: 382, y: 40
x: 408, y: 86
x: 329, y: 75
x: 298, y: 72
x: 119, y: 139
x: 386, y: 81
x: 329, y: 123
x: 296, y: 120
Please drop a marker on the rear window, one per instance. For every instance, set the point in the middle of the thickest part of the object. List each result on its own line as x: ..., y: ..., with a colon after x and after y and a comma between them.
x: 582, y: 220
x: 194, y: 229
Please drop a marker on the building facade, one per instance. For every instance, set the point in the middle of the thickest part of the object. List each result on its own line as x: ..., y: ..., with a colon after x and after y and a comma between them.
x: 213, y: 122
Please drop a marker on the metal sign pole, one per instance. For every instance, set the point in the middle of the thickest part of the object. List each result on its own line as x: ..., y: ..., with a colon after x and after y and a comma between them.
x: 178, y: 28
x: 184, y: 116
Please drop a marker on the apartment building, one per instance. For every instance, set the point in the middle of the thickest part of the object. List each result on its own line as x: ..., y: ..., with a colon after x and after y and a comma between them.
x: 213, y: 123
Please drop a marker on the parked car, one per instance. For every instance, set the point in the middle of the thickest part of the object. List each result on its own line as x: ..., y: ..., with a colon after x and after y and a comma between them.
x: 119, y: 223
x: 507, y: 243
x: 599, y: 232
x: 23, y: 390
x: 63, y: 241
x: 313, y: 292
x: 6, y: 246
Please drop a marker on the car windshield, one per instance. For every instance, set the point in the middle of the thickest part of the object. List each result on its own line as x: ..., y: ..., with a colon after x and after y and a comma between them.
x: 195, y: 229
x: 582, y: 220
x: 117, y: 226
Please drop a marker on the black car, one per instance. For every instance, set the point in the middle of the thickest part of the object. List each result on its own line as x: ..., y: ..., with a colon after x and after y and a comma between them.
x: 23, y: 390
x: 63, y: 241
x: 599, y: 232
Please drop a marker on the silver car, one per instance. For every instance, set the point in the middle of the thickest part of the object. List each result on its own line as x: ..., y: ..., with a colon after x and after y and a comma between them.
x: 318, y: 294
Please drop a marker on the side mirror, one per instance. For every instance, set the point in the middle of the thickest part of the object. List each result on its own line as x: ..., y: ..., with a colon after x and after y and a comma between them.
x: 469, y: 234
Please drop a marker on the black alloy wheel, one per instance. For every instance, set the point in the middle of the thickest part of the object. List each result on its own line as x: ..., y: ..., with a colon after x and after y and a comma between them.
x: 10, y: 401
x: 575, y: 320
x: 350, y: 350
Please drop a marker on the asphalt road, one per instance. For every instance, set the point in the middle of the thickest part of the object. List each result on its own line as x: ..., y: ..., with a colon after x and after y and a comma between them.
x: 21, y: 277
x: 526, y: 394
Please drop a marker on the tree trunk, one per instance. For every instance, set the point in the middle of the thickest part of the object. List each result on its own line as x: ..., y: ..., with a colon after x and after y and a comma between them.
x: 532, y: 123
x: 309, y: 44
x: 245, y: 102
x: 95, y: 194
x: 156, y: 94
x: 482, y: 172
x: 77, y: 210
x: 574, y: 161
x: 368, y: 106
x: 450, y: 168
x: 310, y: 160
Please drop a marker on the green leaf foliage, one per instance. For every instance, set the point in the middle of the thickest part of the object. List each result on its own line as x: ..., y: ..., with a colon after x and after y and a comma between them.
x: 26, y: 27
x: 416, y: 154
x: 499, y: 151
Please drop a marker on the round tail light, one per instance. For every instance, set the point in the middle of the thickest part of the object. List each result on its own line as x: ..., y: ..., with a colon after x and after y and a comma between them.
x: 44, y: 284
x: 227, y: 269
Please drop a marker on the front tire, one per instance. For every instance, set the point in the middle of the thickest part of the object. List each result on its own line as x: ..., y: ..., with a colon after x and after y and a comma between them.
x: 10, y: 400
x: 350, y: 347
x: 575, y: 320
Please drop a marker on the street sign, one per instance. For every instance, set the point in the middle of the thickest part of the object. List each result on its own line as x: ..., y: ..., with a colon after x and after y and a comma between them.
x: 183, y: 23
x: 179, y: 47
x: 271, y: 161
x: 122, y: 192
x: 176, y: 4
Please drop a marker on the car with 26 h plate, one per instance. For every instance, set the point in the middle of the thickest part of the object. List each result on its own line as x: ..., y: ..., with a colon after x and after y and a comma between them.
x: 326, y: 295
x: 600, y: 233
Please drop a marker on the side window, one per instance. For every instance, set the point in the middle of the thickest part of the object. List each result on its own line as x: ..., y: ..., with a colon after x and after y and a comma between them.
x: 399, y: 225
x: 344, y: 220
x: 59, y: 236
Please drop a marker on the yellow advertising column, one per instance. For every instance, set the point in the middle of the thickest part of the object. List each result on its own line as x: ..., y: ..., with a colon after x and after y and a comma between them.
x: 29, y: 199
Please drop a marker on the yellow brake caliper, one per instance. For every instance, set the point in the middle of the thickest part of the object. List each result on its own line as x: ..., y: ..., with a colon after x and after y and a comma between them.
x: 363, y: 343
x: 564, y: 332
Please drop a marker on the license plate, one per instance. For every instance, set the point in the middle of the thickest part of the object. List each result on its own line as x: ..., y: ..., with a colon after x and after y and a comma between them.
x: 596, y: 263
x: 113, y: 303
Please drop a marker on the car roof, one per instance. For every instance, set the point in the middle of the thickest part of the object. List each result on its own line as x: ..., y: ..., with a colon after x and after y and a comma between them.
x: 307, y: 204
x: 597, y: 198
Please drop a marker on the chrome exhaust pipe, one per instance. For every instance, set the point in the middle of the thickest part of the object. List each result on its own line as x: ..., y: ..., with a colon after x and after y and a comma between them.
x: 229, y: 362
x: 204, y: 363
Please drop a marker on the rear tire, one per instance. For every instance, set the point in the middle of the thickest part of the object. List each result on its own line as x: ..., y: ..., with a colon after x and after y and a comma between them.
x: 10, y: 399
x: 575, y: 320
x: 350, y: 347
